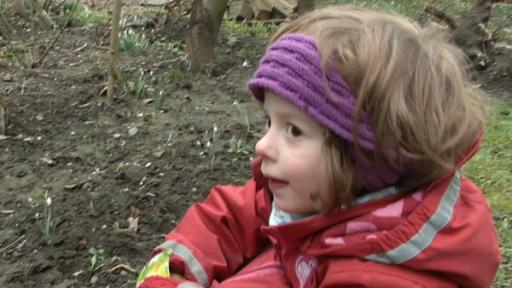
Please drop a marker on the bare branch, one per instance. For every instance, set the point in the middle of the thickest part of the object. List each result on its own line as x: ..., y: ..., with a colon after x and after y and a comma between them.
x: 113, y: 73
x: 50, y: 47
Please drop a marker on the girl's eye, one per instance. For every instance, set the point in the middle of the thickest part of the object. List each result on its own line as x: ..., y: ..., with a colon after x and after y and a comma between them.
x: 268, y: 122
x: 294, y: 130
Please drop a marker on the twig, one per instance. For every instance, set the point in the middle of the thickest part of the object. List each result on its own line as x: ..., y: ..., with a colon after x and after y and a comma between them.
x: 113, y: 73
x: 126, y: 267
x: 12, y: 244
x: 45, y: 53
x: 80, y: 48
x: 159, y: 64
x: 268, y: 21
x: 23, y: 86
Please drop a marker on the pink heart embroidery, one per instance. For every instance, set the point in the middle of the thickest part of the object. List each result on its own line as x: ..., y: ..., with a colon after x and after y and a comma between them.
x: 303, y: 268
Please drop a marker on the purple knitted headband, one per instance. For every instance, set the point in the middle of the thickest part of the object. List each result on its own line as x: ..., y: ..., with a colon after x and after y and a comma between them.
x: 291, y: 68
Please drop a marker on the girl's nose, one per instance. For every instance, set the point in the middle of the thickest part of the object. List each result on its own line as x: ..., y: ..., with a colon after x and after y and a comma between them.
x: 265, y: 147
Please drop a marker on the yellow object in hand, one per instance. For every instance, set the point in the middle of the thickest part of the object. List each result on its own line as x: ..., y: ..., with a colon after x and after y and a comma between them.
x: 157, y: 266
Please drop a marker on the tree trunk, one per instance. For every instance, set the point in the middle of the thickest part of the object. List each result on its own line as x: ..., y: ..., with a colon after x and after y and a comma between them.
x: 113, y: 74
x: 304, y: 6
x: 246, y: 11
x: 204, y: 28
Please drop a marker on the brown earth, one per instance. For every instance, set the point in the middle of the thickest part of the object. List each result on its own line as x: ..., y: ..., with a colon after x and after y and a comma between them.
x: 120, y: 177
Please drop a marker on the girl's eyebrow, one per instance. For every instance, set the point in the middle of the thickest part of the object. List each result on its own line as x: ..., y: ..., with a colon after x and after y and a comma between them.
x: 283, y: 114
x: 291, y: 115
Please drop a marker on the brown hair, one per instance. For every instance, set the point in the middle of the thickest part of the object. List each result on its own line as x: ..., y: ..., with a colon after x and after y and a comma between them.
x: 412, y: 83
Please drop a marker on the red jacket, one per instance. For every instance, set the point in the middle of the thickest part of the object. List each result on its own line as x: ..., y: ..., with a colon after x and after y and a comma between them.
x: 441, y: 236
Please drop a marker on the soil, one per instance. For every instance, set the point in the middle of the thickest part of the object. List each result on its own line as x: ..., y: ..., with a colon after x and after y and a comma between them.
x: 120, y: 177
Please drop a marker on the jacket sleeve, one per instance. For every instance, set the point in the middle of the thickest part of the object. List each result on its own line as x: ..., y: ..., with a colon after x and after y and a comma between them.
x: 217, y: 236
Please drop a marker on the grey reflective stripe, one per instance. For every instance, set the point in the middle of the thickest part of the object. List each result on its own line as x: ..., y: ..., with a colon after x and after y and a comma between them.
x: 427, y: 232
x: 194, y: 266
x: 188, y: 285
x: 386, y: 192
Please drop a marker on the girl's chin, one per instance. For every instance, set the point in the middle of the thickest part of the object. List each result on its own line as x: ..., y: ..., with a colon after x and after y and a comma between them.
x: 290, y: 209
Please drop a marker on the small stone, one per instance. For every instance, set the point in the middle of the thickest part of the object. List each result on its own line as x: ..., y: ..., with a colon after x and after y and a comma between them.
x: 7, y: 78
x: 94, y: 279
x: 21, y: 174
x: 133, y: 131
x: 87, y: 186
x: 122, y: 176
x: 187, y: 85
x: 154, y: 182
x: 158, y: 154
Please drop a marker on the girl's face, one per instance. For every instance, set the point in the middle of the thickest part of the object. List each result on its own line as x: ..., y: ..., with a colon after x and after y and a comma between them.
x: 293, y: 158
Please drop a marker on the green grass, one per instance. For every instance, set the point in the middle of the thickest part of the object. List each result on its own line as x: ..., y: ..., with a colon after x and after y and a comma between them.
x: 132, y: 41
x: 174, y: 48
x: 13, y: 50
x: 491, y: 169
x: 501, y: 21
x: 259, y: 29
x: 411, y: 8
x: 84, y: 16
x: 504, y: 226
x: 403, y: 7
x: 500, y: 18
x: 138, y: 88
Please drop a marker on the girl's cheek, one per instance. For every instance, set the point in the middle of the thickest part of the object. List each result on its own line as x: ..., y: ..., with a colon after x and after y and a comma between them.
x: 317, y: 202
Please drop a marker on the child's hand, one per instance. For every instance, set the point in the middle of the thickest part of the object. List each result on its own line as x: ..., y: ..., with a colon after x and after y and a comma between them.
x: 157, y: 274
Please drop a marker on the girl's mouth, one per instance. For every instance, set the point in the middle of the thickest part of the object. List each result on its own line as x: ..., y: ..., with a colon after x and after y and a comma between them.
x: 276, y: 183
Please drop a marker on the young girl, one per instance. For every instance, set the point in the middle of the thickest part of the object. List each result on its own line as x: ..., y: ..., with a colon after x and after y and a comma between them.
x: 357, y: 180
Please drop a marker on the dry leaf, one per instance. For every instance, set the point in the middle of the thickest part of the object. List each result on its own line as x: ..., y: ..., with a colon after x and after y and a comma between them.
x: 50, y: 162
x: 133, y: 224
x: 71, y: 186
x: 148, y: 100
